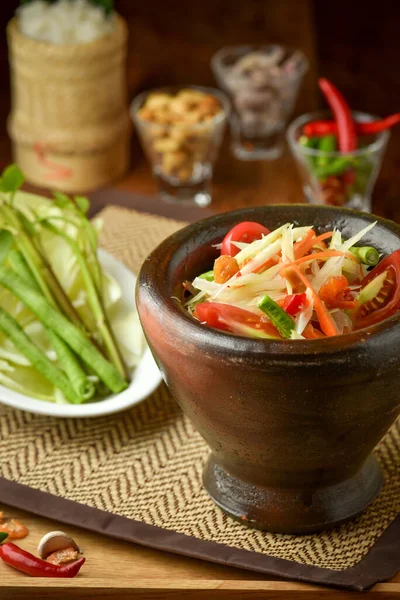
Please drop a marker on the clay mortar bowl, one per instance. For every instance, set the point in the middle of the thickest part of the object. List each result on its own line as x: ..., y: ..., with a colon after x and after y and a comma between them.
x: 291, y: 425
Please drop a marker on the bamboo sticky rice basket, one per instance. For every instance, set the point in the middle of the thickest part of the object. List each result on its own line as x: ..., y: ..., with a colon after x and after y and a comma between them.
x: 69, y: 120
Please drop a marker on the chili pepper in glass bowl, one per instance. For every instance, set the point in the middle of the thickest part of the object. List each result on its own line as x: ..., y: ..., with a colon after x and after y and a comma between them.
x: 329, y: 127
x: 347, y: 137
x: 334, y: 177
x: 24, y: 561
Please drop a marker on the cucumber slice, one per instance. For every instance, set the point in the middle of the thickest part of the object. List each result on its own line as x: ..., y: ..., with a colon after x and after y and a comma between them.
x: 278, y: 317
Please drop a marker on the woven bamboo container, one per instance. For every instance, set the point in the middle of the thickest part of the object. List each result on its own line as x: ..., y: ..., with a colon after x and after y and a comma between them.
x: 69, y: 121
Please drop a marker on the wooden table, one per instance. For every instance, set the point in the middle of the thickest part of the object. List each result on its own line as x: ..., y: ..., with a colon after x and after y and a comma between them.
x: 120, y: 570
x: 172, y: 48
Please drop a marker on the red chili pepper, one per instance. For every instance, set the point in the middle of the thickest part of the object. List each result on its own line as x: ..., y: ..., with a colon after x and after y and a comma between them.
x: 321, y: 128
x: 36, y: 567
x: 293, y: 303
x: 347, y: 137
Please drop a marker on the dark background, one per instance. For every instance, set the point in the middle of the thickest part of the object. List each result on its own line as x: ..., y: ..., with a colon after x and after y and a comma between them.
x: 355, y: 44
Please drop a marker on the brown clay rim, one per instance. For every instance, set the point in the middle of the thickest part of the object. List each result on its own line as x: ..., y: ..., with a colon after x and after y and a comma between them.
x: 222, y: 340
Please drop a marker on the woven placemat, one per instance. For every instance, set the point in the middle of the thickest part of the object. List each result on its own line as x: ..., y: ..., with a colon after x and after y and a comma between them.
x: 143, y: 469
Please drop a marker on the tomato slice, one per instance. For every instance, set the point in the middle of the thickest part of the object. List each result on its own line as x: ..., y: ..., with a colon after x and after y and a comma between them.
x: 247, y: 232
x: 336, y: 294
x: 386, y: 299
x: 293, y: 303
x: 235, y: 320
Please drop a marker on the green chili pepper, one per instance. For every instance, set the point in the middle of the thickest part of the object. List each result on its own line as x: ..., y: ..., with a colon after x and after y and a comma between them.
x: 335, y: 167
x: 208, y: 276
x: 3, y: 536
x: 278, y: 317
x: 326, y: 144
x: 368, y: 255
x: 308, y: 142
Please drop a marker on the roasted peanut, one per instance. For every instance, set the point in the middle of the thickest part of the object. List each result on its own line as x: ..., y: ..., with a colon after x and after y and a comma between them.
x: 165, y: 145
x: 171, y: 161
x: 158, y: 101
x: 181, y: 129
x: 146, y: 114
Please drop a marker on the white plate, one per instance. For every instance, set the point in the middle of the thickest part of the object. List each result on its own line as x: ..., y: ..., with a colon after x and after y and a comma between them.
x: 145, y: 380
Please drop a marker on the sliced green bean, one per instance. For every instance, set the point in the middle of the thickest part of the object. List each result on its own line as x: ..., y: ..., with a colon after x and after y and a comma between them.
x: 335, y: 167
x: 327, y: 144
x: 368, y: 255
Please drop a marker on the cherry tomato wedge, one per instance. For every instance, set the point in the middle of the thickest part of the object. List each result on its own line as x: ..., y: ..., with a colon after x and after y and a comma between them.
x: 247, y: 232
x: 336, y: 294
x: 294, y: 303
x: 386, y: 301
x: 235, y: 320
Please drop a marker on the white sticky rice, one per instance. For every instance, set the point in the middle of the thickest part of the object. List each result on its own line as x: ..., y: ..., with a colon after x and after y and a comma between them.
x: 64, y: 22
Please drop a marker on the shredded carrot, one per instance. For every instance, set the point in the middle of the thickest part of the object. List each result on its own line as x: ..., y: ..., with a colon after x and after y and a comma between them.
x: 328, y: 325
x: 319, y: 256
x: 301, y: 248
x: 311, y: 333
x: 271, y: 262
x: 304, y: 244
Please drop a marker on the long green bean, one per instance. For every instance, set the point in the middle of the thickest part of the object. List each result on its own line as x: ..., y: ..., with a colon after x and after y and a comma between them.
x: 66, y: 330
x: 36, y: 357
x: 94, y: 300
x: 67, y: 359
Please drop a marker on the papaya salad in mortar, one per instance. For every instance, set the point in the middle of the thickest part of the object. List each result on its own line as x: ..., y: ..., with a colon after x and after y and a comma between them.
x: 294, y: 283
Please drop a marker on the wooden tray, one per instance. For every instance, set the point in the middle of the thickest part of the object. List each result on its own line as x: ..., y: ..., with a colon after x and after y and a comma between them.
x: 120, y: 570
